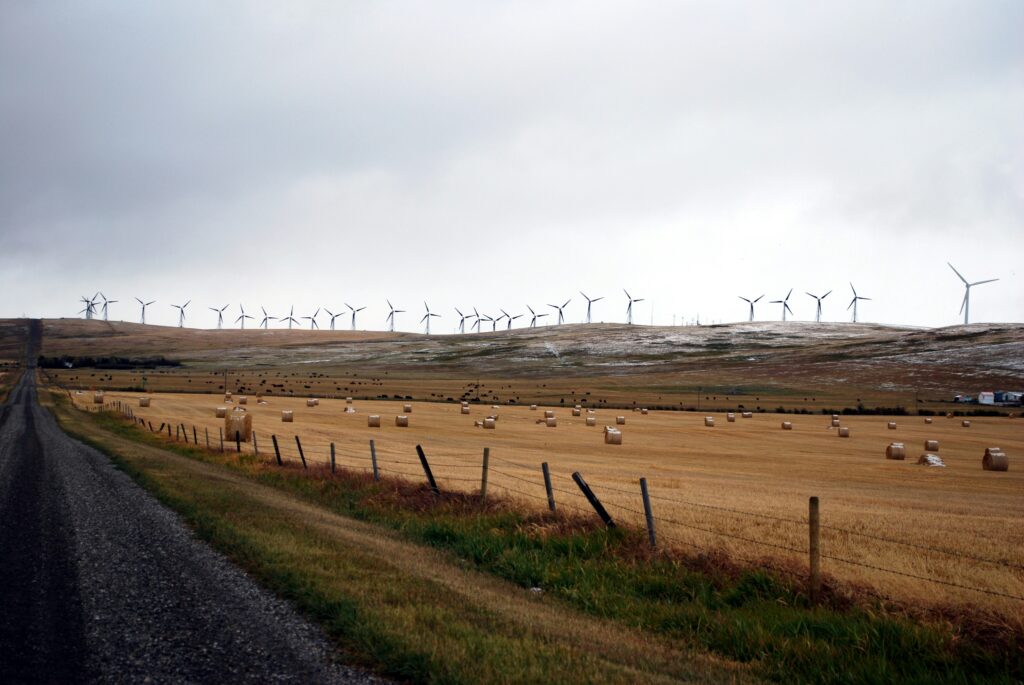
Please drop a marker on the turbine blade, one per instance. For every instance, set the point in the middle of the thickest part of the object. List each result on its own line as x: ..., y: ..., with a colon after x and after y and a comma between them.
x: 991, y: 280
x: 958, y: 273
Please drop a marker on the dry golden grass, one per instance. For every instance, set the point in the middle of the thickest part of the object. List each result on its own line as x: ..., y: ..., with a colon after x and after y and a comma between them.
x: 697, y: 473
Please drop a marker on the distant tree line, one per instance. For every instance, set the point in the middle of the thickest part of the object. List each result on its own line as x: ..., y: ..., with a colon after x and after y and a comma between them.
x: 121, y: 363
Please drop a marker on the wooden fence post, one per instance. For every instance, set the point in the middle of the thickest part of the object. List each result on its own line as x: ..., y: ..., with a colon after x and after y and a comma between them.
x: 184, y: 433
x: 302, y: 455
x: 483, y: 475
x: 373, y: 460
x: 195, y: 436
x: 255, y: 447
x: 207, y: 437
x: 592, y: 498
x: 238, y: 441
x: 332, y: 458
x: 427, y: 471
x: 648, y: 514
x: 814, y: 523
x: 547, y: 486
x: 277, y: 450
x: 221, y: 431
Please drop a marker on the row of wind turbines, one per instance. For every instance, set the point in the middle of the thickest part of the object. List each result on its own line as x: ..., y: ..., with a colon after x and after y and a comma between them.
x: 98, y: 306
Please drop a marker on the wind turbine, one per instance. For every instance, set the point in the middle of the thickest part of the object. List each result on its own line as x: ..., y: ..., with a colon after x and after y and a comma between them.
x: 220, y: 315
x: 333, y: 316
x: 751, y: 303
x: 462, y: 320
x: 484, y: 317
x: 965, y: 306
x: 817, y: 315
x: 785, y: 304
x: 534, y: 316
x: 629, y: 307
x: 242, y: 317
x: 266, y: 318
x: 391, y: 315
x: 510, y: 319
x: 853, y: 302
x: 504, y: 315
x: 476, y: 324
x: 89, y: 307
x: 106, y: 303
x: 428, y: 316
x: 590, y: 302
x: 354, y: 311
x: 290, y: 318
x: 181, y: 313
x: 561, y: 314
x: 312, y: 319
x: 142, y: 320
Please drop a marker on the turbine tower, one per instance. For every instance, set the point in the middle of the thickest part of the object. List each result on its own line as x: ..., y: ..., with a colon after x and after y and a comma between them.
x: 629, y: 306
x: 354, y: 311
x: 312, y: 319
x: 290, y: 318
x: 510, y: 319
x: 785, y: 304
x: 853, y: 302
x: 142, y: 319
x: 534, y: 316
x: 561, y: 314
x: 391, y: 315
x: 333, y: 316
x: 242, y: 317
x: 462, y: 320
x: 220, y: 315
x: 90, y: 306
x: 428, y: 316
x: 476, y: 324
x: 106, y: 303
x: 266, y: 318
x: 181, y: 313
x: 965, y: 306
x: 751, y: 303
x: 590, y: 302
x: 817, y: 314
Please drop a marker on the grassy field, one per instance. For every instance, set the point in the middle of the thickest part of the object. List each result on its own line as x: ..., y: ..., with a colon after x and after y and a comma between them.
x: 741, y: 488
x: 446, y: 597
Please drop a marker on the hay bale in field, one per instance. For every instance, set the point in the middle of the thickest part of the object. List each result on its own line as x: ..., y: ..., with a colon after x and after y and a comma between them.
x: 835, y: 423
x: 896, y: 450
x: 407, y: 408
x: 730, y: 417
x: 143, y: 401
x: 643, y: 411
x: 287, y: 416
x: 709, y: 421
x: 227, y: 397
x: 965, y: 423
x: 844, y: 432
x: 931, y: 445
x: 787, y: 425
x: 222, y: 412
x: 747, y: 414
x: 931, y: 460
x: 350, y: 410
x: 478, y: 424
x: 949, y: 415
x: 550, y: 421
x: 465, y: 410
x: 613, y: 437
x: 835, y: 417
x: 928, y: 419
x: 891, y: 425
x: 549, y: 414
x: 591, y: 420
x: 310, y: 403
x: 620, y: 420
x: 239, y: 421
x: 97, y: 397
x: 402, y: 421
x: 243, y: 399
x: 348, y: 400
x: 576, y: 412
x: 464, y: 403
x: 373, y: 421
x: 995, y: 459
x: 533, y: 407
x: 490, y: 423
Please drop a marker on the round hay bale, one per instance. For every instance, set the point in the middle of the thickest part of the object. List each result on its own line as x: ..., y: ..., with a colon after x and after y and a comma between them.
x: 239, y: 421
x: 576, y: 412
x: 928, y: 419
x: 348, y: 400
x: 97, y: 397
x: 643, y: 410
x: 891, y: 425
x: 995, y: 459
x: 490, y: 423
x: 143, y: 401
x: 407, y: 409
x: 965, y: 423
x: 465, y: 410
x: 464, y: 403
x: 222, y: 412
x: 310, y: 403
x: 730, y: 417
x: 287, y: 416
x: 896, y: 450
x: 709, y: 421
x: 549, y: 414
x: 844, y: 432
x: 551, y: 422
x: 787, y: 425
x: 373, y: 421
x: 243, y: 399
x: 949, y: 415
x: 533, y: 407
x: 227, y: 397
x: 747, y: 414
x: 835, y: 423
x: 931, y: 460
x: 591, y: 420
x: 835, y: 417
x: 402, y: 421
x: 931, y: 445
x: 613, y: 437
x: 620, y: 420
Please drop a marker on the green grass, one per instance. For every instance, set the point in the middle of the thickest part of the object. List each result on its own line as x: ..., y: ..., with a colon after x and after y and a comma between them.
x: 750, y: 616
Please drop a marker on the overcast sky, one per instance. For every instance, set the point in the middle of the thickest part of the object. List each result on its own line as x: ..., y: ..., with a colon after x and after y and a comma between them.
x: 497, y: 154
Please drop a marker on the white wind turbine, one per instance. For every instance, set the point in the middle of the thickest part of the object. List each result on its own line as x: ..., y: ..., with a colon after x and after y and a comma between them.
x: 391, y: 315
x: 476, y: 324
x: 354, y: 310
x: 333, y: 316
x: 853, y: 302
x: 312, y: 319
x: 106, y: 303
x: 534, y: 316
x: 561, y: 314
x: 462, y: 320
x: 142, y: 319
x: 242, y: 317
x: 965, y: 306
x: 220, y: 315
x: 784, y: 303
x: 751, y: 303
x: 510, y: 319
x: 590, y: 302
x: 181, y: 313
x: 265, y: 321
x: 629, y: 307
x: 817, y: 314
x: 428, y: 316
x: 290, y: 318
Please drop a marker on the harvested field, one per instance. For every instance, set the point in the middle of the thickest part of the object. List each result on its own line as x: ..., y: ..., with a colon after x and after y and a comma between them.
x: 741, y: 487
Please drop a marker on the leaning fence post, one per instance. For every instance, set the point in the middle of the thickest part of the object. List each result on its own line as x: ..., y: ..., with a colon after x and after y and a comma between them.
x: 277, y: 450
x: 255, y: 447
x: 238, y: 441
x: 332, y: 458
x: 195, y: 435
x: 592, y: 498
x: 302, y: 455
x: 483, y: 475
x: 814, y: 523
x: 221, y: 431
x: 373, y: 460
x: 648, y: 514
x: 184, y: 433
x: 547, y: 486
x: 427, y: 471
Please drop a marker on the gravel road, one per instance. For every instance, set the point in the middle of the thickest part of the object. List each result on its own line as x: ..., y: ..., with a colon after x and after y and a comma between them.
x: 101, y: 583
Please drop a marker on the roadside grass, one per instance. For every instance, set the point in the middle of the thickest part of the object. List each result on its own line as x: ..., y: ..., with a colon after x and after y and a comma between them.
x: 758, y: 617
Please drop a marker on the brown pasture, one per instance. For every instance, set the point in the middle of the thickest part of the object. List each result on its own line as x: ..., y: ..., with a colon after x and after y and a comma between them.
x: 713, y: 487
